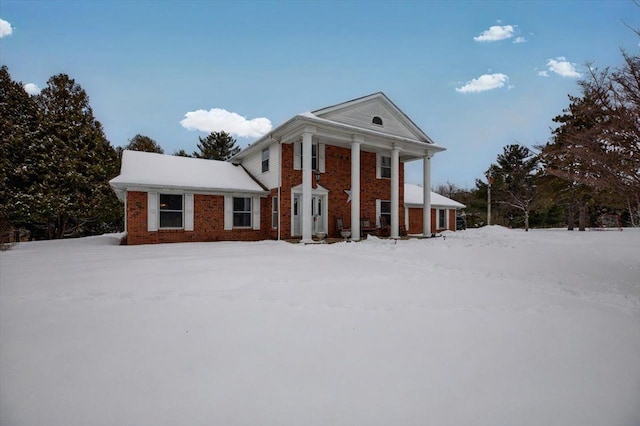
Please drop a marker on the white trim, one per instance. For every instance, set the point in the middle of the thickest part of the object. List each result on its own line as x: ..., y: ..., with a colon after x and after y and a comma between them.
x: 446, y: 219
x: 307, y: 173
x: 297, y: 156
x: 395, y: 192
x: 168, y: 189
x: 152, y: 211
x: 188, y: 212
x: 255, y: 212
x: 355, y: 187
x: 426, y: 196
x: 228, y: 212
x: 321, y: 157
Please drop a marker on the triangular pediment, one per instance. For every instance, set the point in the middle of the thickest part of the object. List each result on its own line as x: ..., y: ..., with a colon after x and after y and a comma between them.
x: 374, y: 112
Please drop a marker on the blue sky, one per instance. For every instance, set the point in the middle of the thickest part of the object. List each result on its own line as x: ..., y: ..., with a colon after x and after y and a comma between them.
x: 475, y: 76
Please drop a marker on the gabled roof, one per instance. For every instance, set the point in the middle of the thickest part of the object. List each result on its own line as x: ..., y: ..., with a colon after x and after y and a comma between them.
x: 360, y: 111
x: 354, y: 117
x: 150, y: 170
x: 413, y: 196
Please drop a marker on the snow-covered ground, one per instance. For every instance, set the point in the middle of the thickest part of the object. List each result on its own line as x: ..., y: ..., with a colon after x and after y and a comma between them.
x: 484, y: 327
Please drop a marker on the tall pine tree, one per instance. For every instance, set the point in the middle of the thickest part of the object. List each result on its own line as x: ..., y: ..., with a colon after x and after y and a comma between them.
x: 60, y: 162
x: 217, y: 146
x: 82, y: 161
x: 20, y: 153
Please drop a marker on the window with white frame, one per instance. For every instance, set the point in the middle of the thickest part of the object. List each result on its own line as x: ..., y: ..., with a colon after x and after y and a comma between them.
x: 242, y: 212
x: 317, y: 156
x: 314, y: 156
x: 385, y: 211
x: 442, y: 219
x: 274, y: 212
x: 265, y: 160
x: 385, y: 167
x: 171, y: 210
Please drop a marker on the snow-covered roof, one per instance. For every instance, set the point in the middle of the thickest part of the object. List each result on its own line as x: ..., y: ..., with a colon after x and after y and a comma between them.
x: 413, y: 196
x: 150, y: 170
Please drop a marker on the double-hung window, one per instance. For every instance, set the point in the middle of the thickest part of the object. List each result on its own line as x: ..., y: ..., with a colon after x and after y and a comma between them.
x: 242, y: 212
x: 317, y: 156
x: 385, y: 167
x: 171, y: 209
x: 314, y: 157
x: 442, y: 219
x: 265, y: 160
x: 385, y: 211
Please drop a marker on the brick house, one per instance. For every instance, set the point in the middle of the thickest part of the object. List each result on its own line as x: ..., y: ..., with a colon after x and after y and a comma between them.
x: 341, y: 162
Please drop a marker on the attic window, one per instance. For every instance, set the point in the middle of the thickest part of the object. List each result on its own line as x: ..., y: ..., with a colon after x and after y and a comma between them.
x: 377, y: 120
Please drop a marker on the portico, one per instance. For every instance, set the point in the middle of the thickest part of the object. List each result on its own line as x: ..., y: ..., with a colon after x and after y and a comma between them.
x: 311, y: 201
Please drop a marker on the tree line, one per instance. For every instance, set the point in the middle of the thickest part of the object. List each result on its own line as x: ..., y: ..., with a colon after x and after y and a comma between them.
x: 589, y: 167
x: 56, y: 162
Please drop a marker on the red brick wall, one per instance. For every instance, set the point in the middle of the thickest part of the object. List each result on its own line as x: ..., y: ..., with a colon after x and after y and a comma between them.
x: 452, y: 220
x: 337, y: 179
x: 415, y: 220
x: 208, y: 217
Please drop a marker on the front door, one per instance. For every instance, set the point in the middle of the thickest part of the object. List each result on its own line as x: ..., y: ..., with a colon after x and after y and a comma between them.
x: 318, y: 219
x: 317, y: 212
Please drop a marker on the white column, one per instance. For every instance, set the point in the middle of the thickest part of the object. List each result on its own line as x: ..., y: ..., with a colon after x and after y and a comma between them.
x: 426, y: 188
x: 355, y: 187
x: 306, y: 187
x: 395, y: 190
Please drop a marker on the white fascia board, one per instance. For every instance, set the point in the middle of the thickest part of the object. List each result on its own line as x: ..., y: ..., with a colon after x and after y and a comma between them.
x: 410, y: 146
x: 125, y: 187
x: 434, y: 206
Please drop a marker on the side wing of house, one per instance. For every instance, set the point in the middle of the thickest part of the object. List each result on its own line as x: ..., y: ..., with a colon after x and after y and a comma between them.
x: 176, y: 199
x: 443, y: 211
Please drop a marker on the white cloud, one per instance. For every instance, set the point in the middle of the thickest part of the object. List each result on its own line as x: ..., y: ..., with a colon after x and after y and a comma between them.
x: 496, y: 32
x: 483, y: 83
x: 562, y: 67
x: 31, y: 88
x: 5, y: 28
x: 520, y: 40
x: 543, y: 74
x: 217, y: 119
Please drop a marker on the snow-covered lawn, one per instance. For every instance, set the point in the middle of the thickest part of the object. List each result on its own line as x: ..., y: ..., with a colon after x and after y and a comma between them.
x: 488, y: 326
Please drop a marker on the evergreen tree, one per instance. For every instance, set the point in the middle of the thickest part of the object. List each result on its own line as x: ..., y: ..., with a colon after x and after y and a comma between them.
x: 144, y: 143
x: 217, y: 146
x: 59, y: 185
x: 182, y: 153
x: 21, y: 152
x: 515, y: 179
